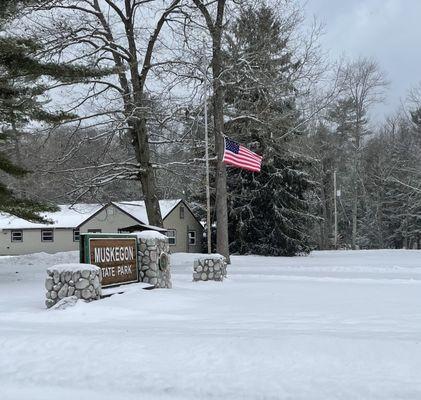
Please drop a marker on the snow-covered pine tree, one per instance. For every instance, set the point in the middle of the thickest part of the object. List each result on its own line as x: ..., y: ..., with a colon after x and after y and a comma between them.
x: 20, y: 104
x: 268, y: 211
x: 343, y: 119
x: 403, y: 185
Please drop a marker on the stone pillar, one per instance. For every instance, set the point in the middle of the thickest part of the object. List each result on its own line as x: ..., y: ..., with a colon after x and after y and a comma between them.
x: 210, y: 267
x: 154, y: 259
x: 65, y: 280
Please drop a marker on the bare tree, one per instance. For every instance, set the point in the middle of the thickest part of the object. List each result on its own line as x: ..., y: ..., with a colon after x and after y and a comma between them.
x: 124, y: 36
x: 363, y: 85
x: 215, y: 25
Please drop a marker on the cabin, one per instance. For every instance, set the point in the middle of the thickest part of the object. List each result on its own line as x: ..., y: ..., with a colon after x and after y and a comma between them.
x: 19, y: 236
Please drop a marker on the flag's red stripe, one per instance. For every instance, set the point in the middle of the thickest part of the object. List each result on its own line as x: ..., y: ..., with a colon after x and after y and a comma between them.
x: 241, y: 160
x: 238, y: 157
x: 254, y: 169
x: 243, y: 166
x: 244, y: 156
x: 245, y: 159
x: 240, y: 163
x: 251, y: 155
x: 246, y: 150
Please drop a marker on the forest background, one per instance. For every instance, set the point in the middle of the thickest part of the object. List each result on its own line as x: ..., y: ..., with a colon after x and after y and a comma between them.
x: 104, y: 100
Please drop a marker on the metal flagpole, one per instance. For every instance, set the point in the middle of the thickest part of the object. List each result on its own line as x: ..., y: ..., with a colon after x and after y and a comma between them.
x: 208, y: 217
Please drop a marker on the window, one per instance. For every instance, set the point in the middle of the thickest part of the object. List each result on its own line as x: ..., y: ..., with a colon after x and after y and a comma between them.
x: 94, y: 230
x: 16, y: 236
x: 47, y: 235
x: 76, y: 235
x: 172, y: 235
x: 181, y: 212
x: 192, y: 238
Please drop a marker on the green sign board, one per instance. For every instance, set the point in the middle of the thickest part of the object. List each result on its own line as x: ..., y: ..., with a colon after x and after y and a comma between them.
x: 115, y: 254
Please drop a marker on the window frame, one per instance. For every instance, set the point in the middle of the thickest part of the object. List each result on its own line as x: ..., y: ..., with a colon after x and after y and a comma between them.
x: 94, y: 230
x: 172, y: 237
x: 182, y: 211
x: 12, y: 231
x: 76, y: 231
x: 43, y: 231
x: 194, y: 237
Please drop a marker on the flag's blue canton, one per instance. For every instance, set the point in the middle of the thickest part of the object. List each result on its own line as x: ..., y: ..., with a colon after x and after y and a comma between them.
x: 232, y: 146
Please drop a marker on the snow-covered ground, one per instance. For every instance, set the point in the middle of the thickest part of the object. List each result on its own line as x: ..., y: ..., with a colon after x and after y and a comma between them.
x: 334, y: 325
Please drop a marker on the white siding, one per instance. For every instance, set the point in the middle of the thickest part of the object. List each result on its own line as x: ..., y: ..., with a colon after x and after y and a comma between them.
x: 109, y: 220
x: 182, y: 226
x: 63, y: 241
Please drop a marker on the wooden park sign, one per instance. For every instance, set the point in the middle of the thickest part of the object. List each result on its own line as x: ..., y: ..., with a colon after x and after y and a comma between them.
x: 116, y: 255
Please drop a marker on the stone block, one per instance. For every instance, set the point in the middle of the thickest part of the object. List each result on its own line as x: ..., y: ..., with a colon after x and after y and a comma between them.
x: 49, y: 283
x: 75, y: 276
x: 62, y: 293
x: 82, y: 283
x: 151, y: 273
x: 68, y: 276
x: 49, y: 303
x: 85, y: 274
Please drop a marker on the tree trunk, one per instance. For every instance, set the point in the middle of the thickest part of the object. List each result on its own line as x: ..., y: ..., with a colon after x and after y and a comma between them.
x: 354, y: 222
x: 325, y: 224
x: 146, y: 174
x: 222, y: 244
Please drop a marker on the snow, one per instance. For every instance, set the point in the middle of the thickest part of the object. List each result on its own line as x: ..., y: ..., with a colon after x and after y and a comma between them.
x: 71, y: 216
x: 213, y: 256
x: 150, y: 235
x: 65, y: 303
x: 68, y: 216
x: 137, y: 209
x: 73, y: 267
x: 333, y: 325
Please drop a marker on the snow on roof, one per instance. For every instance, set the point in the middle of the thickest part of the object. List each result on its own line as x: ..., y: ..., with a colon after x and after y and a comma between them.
x: 69, y: 216
x: 137, y: 209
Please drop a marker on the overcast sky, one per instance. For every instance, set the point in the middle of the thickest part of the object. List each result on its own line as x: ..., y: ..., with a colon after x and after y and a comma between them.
x: 387, y: 30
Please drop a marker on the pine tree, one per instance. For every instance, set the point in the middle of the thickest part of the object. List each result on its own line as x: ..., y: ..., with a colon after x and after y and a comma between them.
x: 268, y: 211
x: 20, y: 103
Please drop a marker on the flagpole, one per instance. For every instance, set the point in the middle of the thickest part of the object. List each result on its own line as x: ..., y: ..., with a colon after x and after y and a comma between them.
x: 208, y: 211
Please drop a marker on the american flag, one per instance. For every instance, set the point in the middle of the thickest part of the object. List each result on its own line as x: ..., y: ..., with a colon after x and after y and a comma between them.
x: 241, y: 157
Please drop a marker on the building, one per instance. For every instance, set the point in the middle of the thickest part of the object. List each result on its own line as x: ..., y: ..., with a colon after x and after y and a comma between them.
x: 19, y: 236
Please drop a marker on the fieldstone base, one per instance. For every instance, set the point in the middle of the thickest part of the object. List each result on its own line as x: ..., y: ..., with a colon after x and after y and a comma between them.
x: 65, y: 280
x: 153, y: 253
x: 212, y: 267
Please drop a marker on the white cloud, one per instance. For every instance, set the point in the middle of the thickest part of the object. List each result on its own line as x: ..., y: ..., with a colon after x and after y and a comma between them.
x: 386, y: 30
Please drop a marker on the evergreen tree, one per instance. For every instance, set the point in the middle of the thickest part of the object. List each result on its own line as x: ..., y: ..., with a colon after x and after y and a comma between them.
x: 268, y: 211
x: 20, y: 103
